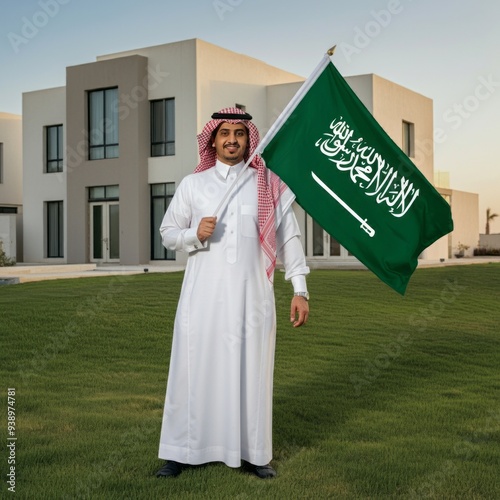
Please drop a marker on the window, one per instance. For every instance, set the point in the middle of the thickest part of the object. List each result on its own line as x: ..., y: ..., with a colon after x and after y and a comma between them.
x: 161, y: 196
x: 104, y: 193
x: 8, y: 210
x: 163, y: 127
x: 55, y: 229
x: 318, y: 240
x: 54, y: 149
x: 1, y: 162
x: 408, y: 139
x: 103, y: 124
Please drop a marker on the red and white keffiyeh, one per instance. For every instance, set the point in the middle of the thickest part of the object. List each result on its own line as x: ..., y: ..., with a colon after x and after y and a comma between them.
x: 269, y: 185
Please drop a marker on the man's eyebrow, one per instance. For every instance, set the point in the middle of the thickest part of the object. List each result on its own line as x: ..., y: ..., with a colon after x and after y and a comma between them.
x: 236, y: 129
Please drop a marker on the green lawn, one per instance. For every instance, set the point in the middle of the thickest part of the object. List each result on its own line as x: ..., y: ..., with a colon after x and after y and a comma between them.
x: 378, y: 396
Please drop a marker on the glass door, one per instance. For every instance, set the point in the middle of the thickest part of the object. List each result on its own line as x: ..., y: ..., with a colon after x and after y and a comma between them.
x: 322, y: 245
x: 105, y: 231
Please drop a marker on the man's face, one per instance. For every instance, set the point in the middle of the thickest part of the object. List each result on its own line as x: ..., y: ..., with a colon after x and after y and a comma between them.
x: 231, y: 143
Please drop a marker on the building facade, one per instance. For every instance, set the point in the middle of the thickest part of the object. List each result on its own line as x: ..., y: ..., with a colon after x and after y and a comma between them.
x: 104, y: 154
x: 11, y: 185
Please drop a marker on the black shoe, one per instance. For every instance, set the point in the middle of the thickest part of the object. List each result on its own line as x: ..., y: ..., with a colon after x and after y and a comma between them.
x: 262, y: 471
x: 170, y: 469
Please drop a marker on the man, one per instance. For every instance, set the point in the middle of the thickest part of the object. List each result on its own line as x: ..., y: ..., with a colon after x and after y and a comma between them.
x: 218, y: 406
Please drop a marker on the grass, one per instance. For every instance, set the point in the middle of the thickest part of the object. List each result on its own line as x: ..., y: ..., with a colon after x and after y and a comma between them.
x: 378, y: 396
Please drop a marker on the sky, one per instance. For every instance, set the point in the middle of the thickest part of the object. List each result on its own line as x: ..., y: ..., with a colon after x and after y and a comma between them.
x: 447, y: 50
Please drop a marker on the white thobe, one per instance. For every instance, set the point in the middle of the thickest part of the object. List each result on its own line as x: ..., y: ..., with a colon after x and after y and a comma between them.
x: 218, y: 406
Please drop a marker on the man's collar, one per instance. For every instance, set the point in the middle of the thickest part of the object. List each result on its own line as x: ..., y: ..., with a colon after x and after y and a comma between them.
x: 223, y: 168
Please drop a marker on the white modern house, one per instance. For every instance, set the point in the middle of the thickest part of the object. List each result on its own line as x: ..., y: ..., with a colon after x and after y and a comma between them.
x: 11, y: 185
x: 103, y: 155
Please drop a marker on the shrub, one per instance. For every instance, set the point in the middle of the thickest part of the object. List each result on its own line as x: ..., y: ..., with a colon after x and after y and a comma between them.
x: 486, y: 251
x: 4, y: 260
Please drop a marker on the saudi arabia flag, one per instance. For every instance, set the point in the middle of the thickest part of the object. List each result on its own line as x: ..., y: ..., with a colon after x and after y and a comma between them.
x: 349, y: 175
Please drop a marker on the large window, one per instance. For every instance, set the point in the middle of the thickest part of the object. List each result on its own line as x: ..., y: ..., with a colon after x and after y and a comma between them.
x: 163, y: 127
x: 55, y: 229
x: 409, y: 139
x: 103, y: 124
x: 161, y: 196
x: 54, y: 149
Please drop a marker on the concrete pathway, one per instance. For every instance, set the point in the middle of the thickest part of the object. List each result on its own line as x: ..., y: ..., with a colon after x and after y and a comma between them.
x: 23, y: 273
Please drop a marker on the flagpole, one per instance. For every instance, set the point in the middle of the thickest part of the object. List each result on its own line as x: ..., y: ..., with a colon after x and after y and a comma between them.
x: 233, y: 184
x: 285, y: 114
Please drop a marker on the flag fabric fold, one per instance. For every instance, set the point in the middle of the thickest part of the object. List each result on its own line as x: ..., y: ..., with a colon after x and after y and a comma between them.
x: 353, y: 179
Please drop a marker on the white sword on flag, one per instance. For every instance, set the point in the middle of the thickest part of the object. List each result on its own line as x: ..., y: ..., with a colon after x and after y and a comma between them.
x: 364, y: 225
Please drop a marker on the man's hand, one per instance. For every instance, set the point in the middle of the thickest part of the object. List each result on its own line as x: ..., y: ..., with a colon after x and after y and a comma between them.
x: 206, y: 228
x: 299, y: 311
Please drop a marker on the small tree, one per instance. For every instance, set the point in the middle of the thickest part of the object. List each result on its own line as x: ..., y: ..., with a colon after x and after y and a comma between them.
x: 461, y: 248
x: 4, y: 260
x: 489, y: 217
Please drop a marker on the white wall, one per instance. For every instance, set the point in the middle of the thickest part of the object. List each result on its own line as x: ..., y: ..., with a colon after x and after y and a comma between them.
x: 40, y: 109
x: 490, y: 240
x: 226, y: 78
x: 362, y: 85
x: 465, y: 213
x: 438, y: 250
x: 392, y: 104
x: 8, y: 234
x: 11, y: 187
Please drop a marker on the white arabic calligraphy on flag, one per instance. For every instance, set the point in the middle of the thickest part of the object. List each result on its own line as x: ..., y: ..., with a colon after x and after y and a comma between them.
x: 367, y: 168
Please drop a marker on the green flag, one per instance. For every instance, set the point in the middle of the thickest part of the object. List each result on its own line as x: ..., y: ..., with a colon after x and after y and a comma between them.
x: 350, y: 177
